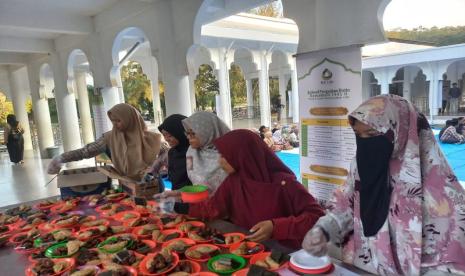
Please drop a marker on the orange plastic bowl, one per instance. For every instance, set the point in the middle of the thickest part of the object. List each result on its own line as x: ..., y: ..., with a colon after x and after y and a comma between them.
x: 195, y: 247
x: 196, y: 267
x: 194, y: 223
x: 120, y: 216
x: 194, y: 194
x: 169, y: 232
x: 136, y: 229
x: 89, y: 238
x: 249, y: 245
x: 69, y: 261
x: 143, y: 265
x: 242, y: 272
x: 188, y: 242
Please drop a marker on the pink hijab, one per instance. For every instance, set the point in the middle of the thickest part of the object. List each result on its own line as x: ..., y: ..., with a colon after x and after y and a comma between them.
x: 425, y: 227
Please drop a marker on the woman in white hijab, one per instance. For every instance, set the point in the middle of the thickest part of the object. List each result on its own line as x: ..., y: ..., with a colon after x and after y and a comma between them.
x: 202, y: 128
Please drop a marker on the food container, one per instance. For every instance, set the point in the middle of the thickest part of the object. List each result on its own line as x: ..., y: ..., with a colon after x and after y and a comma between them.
x: 70, y: 262
x: 143, y: 265
x: 238, y: 259
x: 194, y: 223
x: 242, y: 238
x: 202, y: 260
x: 235, y: 246
x: 120, y: 216
x: 194, y: 194
x: 169, y: 232
x: 113, y: 238
x: 49, y: 251
x: 262, y: 256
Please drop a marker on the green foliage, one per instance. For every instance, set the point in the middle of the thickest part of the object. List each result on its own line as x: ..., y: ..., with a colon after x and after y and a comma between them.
x: 6, y: 107
x: 52, y: 106
x: 271, y: 10
x: 137, y: 88
x: 237, y: 86
x: 206, y: 87
x: 439, y: 36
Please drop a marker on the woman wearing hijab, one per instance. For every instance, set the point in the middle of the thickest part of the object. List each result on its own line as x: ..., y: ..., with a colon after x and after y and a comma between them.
x: 132, y: 148
x: 401, y: 209
x: 260, y: 192
x: 202, y: 128
x: 13, y: 137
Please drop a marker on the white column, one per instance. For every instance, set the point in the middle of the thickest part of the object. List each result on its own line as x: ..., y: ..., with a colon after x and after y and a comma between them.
x: 19, y: 96
x: 365, y: 85
x: 383, y: 80
x: 66, y: 107
x: 225, y: 93
x: 111, y: 98
x: 282, y: 94
x: 295, y: 96
x: 407, y: 86
x: 84, y: 107
x: 264, y: 88
x: 42, y: 120
x: 434, y: 91
x: 250, y: 103
x: 157, y: 111
x: 192, y: 93
x: 119, y: 83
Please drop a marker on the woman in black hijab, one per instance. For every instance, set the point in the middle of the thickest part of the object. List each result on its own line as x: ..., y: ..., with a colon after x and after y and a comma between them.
x: 14, y: 139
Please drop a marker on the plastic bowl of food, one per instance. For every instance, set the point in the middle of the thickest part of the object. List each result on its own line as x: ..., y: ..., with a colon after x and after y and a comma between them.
x: 126, y: 216
x: 143, y: 265
x: 103, y: 246
x: 179, y: 243
x: 96, y: 232
x: 127, y: 270
x: 237, y: 263
x: 145, y: 231
x: 51, y: 252
x: 68, y: 264
x: 189, y: 225
x: 241, y: 249
x: 202, y: 252
x: 260, y: 260
x: 187, y: 266
x: 168, y: 235
x: 194, y: 194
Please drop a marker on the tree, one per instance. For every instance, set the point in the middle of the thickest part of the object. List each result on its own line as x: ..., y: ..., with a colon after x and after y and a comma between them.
x: 438, y: 36
x: 270, y: 10
x: 206, y: 87
x: 237, y: 86
x: 6, y: 107
x: 137, y: 88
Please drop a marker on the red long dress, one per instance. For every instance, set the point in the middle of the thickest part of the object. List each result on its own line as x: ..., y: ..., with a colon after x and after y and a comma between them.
x: 262, y: 188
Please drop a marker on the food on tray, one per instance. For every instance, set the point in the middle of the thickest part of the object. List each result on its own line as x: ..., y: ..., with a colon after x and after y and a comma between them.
x: 202, y: 252
x: 117, y: 243
x: 179, y: 246
x: 67, y: 206
x: 244, y: 249
x: 127, y: 257
x: 171, y: 221
x: 187, y: 227
x: 274, y: 260
x: 159, y: 263
x: 140, y: 222
x: 18, y: 211
x: 114, y: 270
x: 85, y: 271
x: 92, y: 232
x: 256, y: 270
x: 59, y: 235
x: 68, y: 220
x: 117, y: 229
x: 46, y: 203
x: 141, y: 247
x: 87, y: 257
x: 167, y: 237
x: 48, y: 267
x: 202, y: 235
x: 183, y: 268
x: 7, y: 219
x: 93, y: 223
x: 4, y: 229
x: 147, y: 229
x: 225, y: 264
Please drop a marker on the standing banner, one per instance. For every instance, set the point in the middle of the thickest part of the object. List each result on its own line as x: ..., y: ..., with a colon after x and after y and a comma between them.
x: 330, y: 87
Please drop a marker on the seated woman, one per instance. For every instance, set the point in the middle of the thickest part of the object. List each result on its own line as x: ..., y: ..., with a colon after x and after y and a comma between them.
x: 279, y: 139
x: 452, y: 133
x: 401, y: 211
x: 133, y: 149
x: 268, y: 139
x: 202, y: 156
x: 260, y: 193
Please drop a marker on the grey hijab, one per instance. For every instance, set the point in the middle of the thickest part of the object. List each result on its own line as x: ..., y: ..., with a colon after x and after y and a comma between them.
x: 202, y: 164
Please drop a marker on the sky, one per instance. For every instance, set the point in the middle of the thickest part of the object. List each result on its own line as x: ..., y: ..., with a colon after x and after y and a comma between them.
x: 409, y: 14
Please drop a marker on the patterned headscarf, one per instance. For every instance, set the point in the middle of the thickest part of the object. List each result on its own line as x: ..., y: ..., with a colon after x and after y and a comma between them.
x: 202, y: 164
x: 425, y: 227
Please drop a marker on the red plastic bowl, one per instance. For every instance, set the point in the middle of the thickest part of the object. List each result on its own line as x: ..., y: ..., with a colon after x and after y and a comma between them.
x: 195, y: 247
x: 262, y: 256
x: 105, y: 223
x: 143, y: 267
x: 169, y: 232
x: 242, y: 272
x: 185, y: 240
x: 12, y: 238
x: 249, y: 245
x: 131, y: 270
x: 196, y: 267
x: 194, y: 223
x: 89, y: 238
x: 120, y: 216
x: 70, y: 261
x: 194, y: 194
x: 60, y: 208
x: 136, y: 229
x: 150, y: 244
x: 118, y: 197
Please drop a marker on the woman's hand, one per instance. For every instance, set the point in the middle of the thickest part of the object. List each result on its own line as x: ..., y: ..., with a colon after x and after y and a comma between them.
x: 315, y: 242
x: 262, y: 231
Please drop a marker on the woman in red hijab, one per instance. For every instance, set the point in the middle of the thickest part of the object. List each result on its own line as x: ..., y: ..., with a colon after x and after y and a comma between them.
x: 260, y: 193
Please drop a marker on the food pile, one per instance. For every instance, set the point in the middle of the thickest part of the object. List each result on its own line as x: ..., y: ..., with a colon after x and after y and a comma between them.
x: 109, y: 234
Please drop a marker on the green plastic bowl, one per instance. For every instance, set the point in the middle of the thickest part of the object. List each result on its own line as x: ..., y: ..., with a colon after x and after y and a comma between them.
x: 100, y: 245
x: 49, y: 251
x: 242, y: 263
x: 194, y: 189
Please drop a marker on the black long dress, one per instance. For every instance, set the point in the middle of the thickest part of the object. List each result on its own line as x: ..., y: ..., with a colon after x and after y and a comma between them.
x: 15, y: 146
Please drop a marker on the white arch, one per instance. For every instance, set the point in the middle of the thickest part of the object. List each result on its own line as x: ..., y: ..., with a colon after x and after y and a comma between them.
x: 198, y: 55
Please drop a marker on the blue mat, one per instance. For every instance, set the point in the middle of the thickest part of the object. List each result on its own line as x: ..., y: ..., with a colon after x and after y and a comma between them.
x: 455, y: 155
